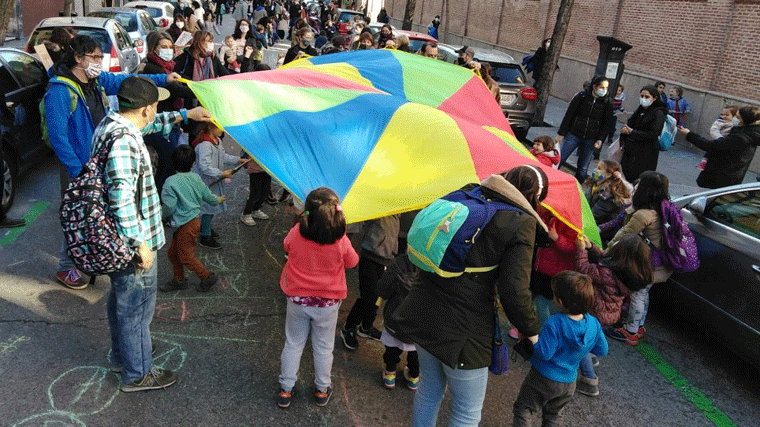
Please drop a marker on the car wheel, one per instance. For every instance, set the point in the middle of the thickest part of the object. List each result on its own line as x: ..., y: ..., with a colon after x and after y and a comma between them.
x: 10, y: 178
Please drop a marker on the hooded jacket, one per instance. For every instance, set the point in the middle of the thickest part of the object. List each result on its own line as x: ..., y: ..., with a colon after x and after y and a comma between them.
x: 609, y: 290
x: 70, y: 133
x: 452, y: 318
x: 588, y: 116
x: 728, y: 158
x: 549, y: 158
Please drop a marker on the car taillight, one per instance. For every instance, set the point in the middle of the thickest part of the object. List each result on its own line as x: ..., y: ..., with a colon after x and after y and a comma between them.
x: 163, y: 22
x: 115, y: 65
x: 529, y: 94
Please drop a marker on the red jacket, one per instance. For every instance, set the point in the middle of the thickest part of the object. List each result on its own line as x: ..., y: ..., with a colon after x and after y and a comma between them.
x: 609, y: 290
x: 549, y: 158
x: 559, y: 256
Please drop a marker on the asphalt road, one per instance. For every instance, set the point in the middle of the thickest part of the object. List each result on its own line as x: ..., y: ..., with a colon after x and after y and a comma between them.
x: 225, y: 345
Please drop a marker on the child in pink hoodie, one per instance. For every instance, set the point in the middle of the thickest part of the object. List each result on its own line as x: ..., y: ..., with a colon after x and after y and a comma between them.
x: 543, y: 149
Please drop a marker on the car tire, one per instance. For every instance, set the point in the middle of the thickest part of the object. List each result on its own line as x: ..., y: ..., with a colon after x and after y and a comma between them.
x: 10, y: 178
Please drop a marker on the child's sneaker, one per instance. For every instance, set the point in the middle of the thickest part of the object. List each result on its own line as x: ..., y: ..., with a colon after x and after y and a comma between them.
x: 71, y: 279
x: 209, y: 242
x: 258, y: 214
x: 389, y: 380
x: 247, y: 220
x: 155, y: 379
x: 174, y: 285
x: 587, y: 386
x: 322, y: 397
x: 349, y: 338
x: 206, y: 285
x: 621, y: 334
x: 412, y: 383
x: 641, y: 332
x: 594, y: 360
x: 371, y: 333
x: 283, y: 398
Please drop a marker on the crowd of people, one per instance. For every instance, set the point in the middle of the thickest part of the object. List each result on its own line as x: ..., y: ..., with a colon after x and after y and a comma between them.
x: 162, y: 162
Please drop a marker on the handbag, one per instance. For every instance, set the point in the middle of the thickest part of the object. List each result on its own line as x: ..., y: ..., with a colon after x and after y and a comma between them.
x: 499, y: 349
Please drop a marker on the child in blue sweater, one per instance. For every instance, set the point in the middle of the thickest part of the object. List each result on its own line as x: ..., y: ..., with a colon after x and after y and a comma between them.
x: 563, y: 341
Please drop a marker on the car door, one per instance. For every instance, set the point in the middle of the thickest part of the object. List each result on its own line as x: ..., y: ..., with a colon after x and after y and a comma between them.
x: 127, y: 52
x: 27, y: 87
x: 728, y: 238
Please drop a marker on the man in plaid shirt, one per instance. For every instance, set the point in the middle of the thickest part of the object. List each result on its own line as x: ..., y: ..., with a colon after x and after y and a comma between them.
x: 136, y: 210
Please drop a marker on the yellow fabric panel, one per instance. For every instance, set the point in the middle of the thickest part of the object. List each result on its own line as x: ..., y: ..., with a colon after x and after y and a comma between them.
x: 340, y: 69
x: 404, y: 171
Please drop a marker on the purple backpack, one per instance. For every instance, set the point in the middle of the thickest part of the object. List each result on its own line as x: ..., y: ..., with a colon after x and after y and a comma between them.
x: 679, y: 248
x: 88, y: 226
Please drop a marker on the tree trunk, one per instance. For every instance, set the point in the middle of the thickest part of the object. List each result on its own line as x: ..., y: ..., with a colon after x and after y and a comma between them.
x: 6, y: 6
x: 408, y: 15
x: 552, y: 58
x: 68, y: 7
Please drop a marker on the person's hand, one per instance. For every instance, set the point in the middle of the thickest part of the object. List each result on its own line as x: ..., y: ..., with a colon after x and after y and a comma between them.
x: 559, y: 139
x: 172, y: 78
x: 227, y: 173
x: 248, y: 51
x: 617, y: 175
x: 626, y: 130
x: 553, y: 233
x: 683, y: 130
x: 586, y: 242
x: 222, y: 199
x: 598, y: 144
x: 199, y: 114
x: 146, y: 256
x: 242, y: 161
x: 580, y: 244
x: 299, y: 55
x: 533, y: 339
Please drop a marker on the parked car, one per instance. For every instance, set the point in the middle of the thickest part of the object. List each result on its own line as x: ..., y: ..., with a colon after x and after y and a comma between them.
x: 162, y: 12
x: 416, y: 40
x: 138, y: 24
x: 346, y: 20
x: 119, y: 54
x: 723, y: 296
x: 23, y: 81
x: 447, y: 53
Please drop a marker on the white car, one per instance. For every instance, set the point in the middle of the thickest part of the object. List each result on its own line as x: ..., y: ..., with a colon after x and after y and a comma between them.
x: 137, y: 22
x: 162, y: 12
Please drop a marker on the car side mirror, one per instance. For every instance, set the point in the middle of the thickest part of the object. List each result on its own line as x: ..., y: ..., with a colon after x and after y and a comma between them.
x: 698, y: 206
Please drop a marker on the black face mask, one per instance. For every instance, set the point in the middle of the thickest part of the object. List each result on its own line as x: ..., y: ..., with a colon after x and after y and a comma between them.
x: 363, y: 47
x: 461, y: 61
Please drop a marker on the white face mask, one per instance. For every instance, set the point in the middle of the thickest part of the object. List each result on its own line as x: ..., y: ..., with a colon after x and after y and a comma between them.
x: 601, y: 92
x: 210, y: 46
x: 645, y: 102
x: 166, y: 54
x: 93, y: 70
x: 180, y: 25
x: 244, y: 28
x: 735, y: 121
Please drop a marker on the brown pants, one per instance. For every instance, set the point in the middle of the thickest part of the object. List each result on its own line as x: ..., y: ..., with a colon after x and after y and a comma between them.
x: 182, y: 251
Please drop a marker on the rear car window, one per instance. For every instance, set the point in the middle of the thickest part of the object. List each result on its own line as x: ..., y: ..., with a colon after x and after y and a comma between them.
x: 99, y: 34
x: 415, y: 45
x: 740, y: 211
x: 127, y: 20
x: 347, y: 16
x: 507, y: 74
x: 24, y: 67
x: 152, y: 11
x: 147, y: 23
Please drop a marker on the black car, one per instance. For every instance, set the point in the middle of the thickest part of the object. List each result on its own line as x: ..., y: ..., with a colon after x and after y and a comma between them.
x: 23, y: 81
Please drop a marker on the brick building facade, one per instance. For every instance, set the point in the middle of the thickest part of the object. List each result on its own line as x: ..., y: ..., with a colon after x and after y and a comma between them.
x: 712, y: 45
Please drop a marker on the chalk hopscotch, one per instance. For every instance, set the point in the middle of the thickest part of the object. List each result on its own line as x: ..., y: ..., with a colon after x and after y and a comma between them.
x: 11, y: 344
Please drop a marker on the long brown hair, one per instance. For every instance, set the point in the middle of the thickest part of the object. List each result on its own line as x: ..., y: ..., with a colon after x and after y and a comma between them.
x: 531, y: 181
x: 617, y: 186
x: 629, y: 260
x: 198, y: 44
x: 322, y: 220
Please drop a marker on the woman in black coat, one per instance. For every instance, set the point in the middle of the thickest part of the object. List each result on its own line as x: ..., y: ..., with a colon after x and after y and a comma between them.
x: 198, y: 61
x: 640, y: 136
x: 728, y: 158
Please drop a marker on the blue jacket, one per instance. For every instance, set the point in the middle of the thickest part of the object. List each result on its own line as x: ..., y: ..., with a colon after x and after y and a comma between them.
x: 70, y: 133
x: 563, y: 342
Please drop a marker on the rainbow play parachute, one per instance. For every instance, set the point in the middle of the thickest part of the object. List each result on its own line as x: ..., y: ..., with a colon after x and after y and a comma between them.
x: 388, y: 131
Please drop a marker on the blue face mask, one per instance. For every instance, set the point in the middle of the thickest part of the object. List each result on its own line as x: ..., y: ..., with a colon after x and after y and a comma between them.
x: 735, y: 121
x: 596, y: 176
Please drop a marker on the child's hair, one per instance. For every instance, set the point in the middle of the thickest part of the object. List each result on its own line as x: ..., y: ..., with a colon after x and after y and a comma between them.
x: 203, y: 130
x: 547, y: 141
x: 183, y: 158
x: 732, y: 108
x: 651, y: 191
x: 262, y: 67
x: 259, y: 27
x: 621, y: 87
x: 618, y: 187
x: 629, y: 260
x: 679, y: 91
x: 575, y: 291
x: 531, y: 181
x: 229, y: 38
x: 322, y: 220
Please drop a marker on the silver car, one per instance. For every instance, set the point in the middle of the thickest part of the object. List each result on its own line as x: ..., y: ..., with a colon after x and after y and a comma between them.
x: 162, y: 12
x: 723, y: 296
x: 119, y: 54
x: 137, y: 22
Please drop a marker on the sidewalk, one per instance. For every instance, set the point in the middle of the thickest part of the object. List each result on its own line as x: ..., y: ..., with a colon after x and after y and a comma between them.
x: 679, y: 163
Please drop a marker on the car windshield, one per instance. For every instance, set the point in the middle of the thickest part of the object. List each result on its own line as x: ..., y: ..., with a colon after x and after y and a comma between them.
x: 507, y: 74
x: 415, y: 44
x: 347, y: 16
x: 127, y: 20
x: 99, y: 34
x: 152, y: 11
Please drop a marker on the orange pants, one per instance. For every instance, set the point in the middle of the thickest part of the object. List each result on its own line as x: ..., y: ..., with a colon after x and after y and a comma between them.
x: 182, y: 251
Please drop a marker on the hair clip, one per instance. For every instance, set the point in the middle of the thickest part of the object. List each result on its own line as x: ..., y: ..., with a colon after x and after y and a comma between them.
x: 305, y: 213
x: 338, y: 208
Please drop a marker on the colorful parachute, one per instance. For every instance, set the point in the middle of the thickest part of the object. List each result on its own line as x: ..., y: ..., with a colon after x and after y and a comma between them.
x: 388, y: 131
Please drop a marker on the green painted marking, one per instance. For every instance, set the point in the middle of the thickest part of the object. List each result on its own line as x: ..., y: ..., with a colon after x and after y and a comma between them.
x: 202, y: 337
x: 695, y: 396
x: 180, y: 297
x: 30, y: 216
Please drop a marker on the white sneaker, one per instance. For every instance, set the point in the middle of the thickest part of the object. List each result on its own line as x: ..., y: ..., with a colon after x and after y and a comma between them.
x: 259, y: 215
x: 247, y: 220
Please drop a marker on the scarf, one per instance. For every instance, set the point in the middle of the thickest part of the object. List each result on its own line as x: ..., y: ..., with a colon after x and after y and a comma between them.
x: 202, y: 137
x: 203, y: 68
x: 167, y: 66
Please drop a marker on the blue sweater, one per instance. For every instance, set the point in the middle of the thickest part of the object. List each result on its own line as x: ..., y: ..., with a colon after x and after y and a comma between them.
x: 70, y: 133
x: 562, y: 344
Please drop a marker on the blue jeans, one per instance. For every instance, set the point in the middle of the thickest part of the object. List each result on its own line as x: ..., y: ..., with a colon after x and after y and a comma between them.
x: 467, y: 387
x: 206, y: 225
x: 545, y: 308
x: 131, y: 303
x: 587, y: 367
x: 585, y: 152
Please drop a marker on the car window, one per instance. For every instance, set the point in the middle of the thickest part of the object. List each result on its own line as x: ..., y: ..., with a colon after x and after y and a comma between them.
x: 99, y: 34
x: 24, y: 67
x: 168, y: 10
x: 415, y: 45
x: 507, y: 74
x: 152, y: 11
x: 123, y: 41
x: 127, y: 20
x: 346, y: 17
x: 147, y: 23
x: 740, y: 211
x: 7, y: 83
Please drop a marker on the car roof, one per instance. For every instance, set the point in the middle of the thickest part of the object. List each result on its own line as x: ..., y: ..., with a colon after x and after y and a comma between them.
x: 414, y: 35
x: 119, y: 10
x: 156, y: 4
x: 66, y: 21
x: 493, y: 56
x: 355, y: 12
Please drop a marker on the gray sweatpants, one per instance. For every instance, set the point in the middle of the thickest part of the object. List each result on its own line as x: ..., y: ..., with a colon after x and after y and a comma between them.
x: 541, y: 393
x: 299, y: 321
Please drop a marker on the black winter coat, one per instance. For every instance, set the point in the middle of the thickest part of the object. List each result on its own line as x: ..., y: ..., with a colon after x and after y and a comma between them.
x: 184, y: 65
x: 393, y: 288
x: 176, y: 89
x: 452, y: 318
x: 588, y: 116
x: 641, y: 148
x: 728, y: 158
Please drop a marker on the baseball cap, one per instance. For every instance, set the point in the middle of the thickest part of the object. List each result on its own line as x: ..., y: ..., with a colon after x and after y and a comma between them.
x: 138, y: 91
x: 466, y: 49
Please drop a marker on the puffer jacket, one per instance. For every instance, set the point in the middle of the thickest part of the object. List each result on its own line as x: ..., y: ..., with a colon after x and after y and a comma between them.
x: 647, y: 224
x: 728, y: 158
x: 609, y: 290
x: 588, y: 116
x: 452, y: 318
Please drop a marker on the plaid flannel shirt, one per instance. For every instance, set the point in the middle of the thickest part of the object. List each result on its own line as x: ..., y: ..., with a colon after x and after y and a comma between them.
x: 127, y: 161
